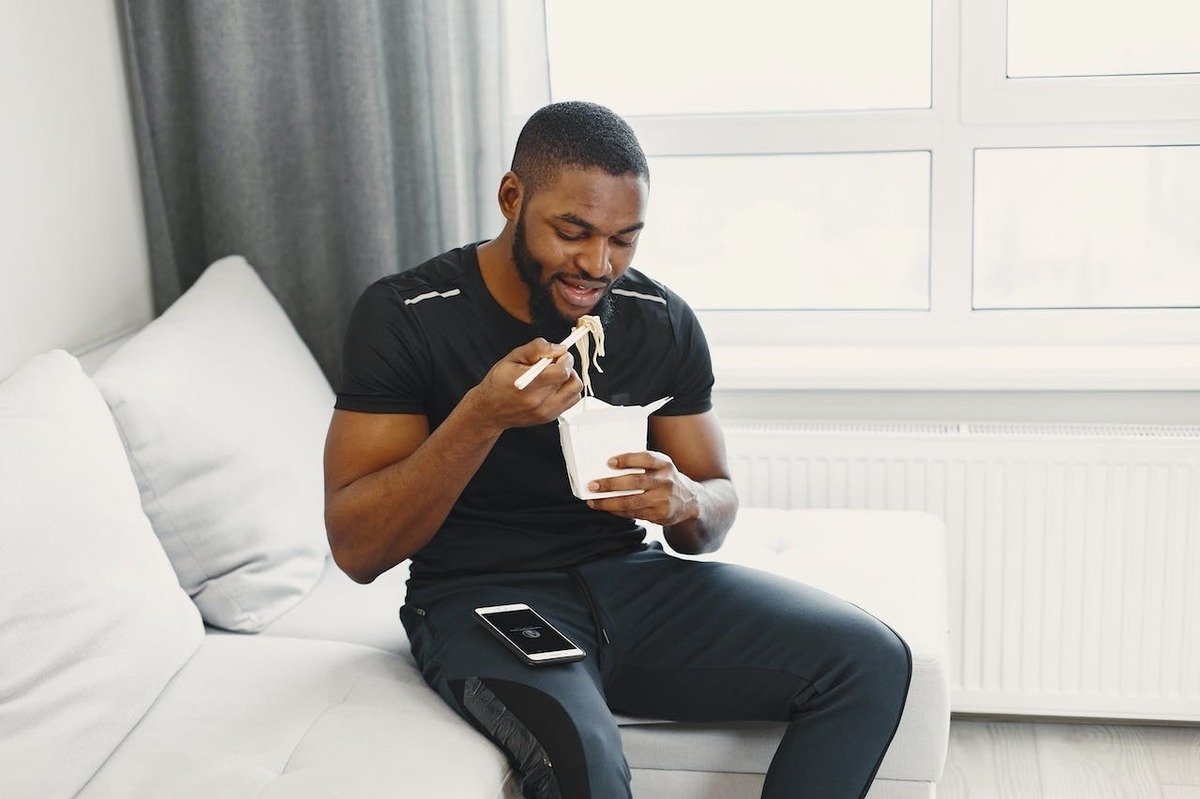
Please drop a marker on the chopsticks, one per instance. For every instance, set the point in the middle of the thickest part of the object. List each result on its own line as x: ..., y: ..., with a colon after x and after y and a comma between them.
x: 532, y: 372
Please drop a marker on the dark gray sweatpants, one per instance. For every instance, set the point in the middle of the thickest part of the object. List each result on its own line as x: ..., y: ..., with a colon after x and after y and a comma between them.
x: 667, y: 638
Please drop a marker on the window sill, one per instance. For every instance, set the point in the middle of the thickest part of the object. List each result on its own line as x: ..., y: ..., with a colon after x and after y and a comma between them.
x: 1147, y: 367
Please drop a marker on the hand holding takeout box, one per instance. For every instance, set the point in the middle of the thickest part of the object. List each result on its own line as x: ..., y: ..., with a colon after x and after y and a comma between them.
x: 592, y: 431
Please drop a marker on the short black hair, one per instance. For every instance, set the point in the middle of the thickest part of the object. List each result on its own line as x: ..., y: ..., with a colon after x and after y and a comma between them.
x: 578, y: 134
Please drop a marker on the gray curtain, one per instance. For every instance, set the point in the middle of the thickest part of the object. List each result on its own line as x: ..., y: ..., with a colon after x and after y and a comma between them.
x: 331, y: 142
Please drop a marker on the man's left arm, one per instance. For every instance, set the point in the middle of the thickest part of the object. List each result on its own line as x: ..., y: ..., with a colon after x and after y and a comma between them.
x: 686, y: 485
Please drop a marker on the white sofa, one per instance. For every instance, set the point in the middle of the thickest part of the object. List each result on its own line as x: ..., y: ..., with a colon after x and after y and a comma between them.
x: 324, y: 700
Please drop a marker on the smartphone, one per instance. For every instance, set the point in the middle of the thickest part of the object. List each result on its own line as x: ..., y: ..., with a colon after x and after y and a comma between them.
x: 532, y: 638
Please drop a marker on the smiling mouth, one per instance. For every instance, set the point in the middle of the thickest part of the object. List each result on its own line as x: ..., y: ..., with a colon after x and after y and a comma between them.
x: 578, y: 293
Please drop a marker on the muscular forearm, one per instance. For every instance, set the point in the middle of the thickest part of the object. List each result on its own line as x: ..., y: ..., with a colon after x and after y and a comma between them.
x: 384, y: 517
x: 716, y: 507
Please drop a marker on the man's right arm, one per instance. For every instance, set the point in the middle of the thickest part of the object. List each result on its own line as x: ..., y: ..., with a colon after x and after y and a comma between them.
x: 390, y: 483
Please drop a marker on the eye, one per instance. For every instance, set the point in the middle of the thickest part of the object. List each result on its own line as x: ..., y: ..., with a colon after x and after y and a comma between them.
x: 566, y: 237
x: 622, y: 243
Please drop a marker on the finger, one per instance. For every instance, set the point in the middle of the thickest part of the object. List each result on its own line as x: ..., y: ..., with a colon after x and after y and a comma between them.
x: 565, y: 396
x: 533, y: 351
x: 563, y: 374
x: 564, y: 364
x: 554, y: 375
x: 639, y: 460
x: 621, y: 506
x: 626, y: 482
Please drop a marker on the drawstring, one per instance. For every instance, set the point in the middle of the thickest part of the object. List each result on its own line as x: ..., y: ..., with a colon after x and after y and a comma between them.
x: 601, y: 633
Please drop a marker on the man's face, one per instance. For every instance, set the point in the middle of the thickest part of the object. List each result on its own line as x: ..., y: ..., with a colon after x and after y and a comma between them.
x: 574, y: 237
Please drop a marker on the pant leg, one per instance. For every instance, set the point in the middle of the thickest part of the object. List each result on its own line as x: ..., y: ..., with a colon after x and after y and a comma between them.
x: 707, y: 641
x: 552, y: 722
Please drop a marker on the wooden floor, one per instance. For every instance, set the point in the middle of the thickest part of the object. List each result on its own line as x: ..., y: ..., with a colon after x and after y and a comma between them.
x: 1032, y: 760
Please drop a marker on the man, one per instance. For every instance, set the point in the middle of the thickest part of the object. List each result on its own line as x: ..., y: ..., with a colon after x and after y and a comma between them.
x: 434, y: 455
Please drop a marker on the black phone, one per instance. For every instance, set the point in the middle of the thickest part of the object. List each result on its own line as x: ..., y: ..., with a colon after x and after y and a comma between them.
x: 533, y: 639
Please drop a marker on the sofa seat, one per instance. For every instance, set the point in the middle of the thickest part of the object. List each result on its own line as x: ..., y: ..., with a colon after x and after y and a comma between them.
x: 892, y: 564
x: 254, y: 716
x: 339, y: 609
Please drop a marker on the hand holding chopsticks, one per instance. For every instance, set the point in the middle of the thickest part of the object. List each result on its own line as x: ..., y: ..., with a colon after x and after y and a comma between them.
x: 532, y: 372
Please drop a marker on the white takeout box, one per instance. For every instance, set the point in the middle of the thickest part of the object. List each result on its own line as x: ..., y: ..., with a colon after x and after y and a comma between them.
x: 592, y: 431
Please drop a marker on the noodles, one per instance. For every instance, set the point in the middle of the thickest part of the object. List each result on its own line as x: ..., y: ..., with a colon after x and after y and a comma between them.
x: 592, y: 323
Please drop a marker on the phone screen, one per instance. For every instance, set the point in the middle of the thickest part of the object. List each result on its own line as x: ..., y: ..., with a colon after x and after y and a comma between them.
x: 528, y: 631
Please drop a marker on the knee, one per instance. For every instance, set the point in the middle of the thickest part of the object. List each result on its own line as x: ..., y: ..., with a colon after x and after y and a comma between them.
x: 882, y: 662
x: 553, y: 755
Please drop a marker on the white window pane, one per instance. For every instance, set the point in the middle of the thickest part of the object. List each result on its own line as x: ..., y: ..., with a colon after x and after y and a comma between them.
x: 680, y: 57
x: 1049, y: 38
x: 830, y: 231
x: 1087, y: 227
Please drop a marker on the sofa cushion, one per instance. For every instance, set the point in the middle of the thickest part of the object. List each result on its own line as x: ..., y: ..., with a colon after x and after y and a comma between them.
x: 224, y: 412
x: 262, y: 717
x: 339, y: 609
x: 93, y: 622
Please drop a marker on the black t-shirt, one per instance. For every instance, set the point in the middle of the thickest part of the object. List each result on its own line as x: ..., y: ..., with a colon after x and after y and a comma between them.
x: 419, y: 340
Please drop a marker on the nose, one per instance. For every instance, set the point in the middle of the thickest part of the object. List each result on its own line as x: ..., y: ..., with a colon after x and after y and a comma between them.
x: 593, y: 260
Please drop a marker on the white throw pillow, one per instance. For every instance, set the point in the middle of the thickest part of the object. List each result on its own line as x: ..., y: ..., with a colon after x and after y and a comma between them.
x: 93, y: 623
x: 224, y: 413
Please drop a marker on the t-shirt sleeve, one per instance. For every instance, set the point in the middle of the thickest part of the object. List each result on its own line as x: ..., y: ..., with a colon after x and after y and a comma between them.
x: 693, y: 382
x: 386, y: 365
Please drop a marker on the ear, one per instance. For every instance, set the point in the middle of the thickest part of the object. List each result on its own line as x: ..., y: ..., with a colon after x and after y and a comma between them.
x: 511, y: 196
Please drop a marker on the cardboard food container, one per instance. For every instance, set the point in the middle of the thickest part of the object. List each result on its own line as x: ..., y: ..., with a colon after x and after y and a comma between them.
x: 592, y: 431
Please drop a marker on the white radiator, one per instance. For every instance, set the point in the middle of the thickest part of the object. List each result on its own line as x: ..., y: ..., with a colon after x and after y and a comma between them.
x: 1074, y: 549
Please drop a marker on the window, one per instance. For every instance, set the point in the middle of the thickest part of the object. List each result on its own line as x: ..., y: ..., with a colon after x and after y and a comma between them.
x: 1061, y: 38
x: 910, y: 172
x: 672, y: 57
x: 1087, y: 227
x: 841, y: 230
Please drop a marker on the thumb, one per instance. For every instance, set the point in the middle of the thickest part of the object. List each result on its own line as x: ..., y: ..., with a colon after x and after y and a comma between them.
x: 535, y: 350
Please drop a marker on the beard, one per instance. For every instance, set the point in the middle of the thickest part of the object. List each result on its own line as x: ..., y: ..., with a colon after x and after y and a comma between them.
x: 549, y: 322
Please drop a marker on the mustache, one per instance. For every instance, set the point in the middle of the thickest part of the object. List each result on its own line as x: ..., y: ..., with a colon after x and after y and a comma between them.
x: 587, y: 280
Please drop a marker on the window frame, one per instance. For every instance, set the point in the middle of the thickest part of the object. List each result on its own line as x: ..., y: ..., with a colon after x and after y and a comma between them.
x: 974, y: 106
x: 990, y: 96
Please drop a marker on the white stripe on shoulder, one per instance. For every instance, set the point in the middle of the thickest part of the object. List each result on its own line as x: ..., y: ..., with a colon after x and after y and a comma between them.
x: 639, y: 295
x: 427, y: 295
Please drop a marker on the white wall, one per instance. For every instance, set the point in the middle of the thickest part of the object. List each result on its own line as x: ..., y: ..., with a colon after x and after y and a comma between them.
x: 73, y: 257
